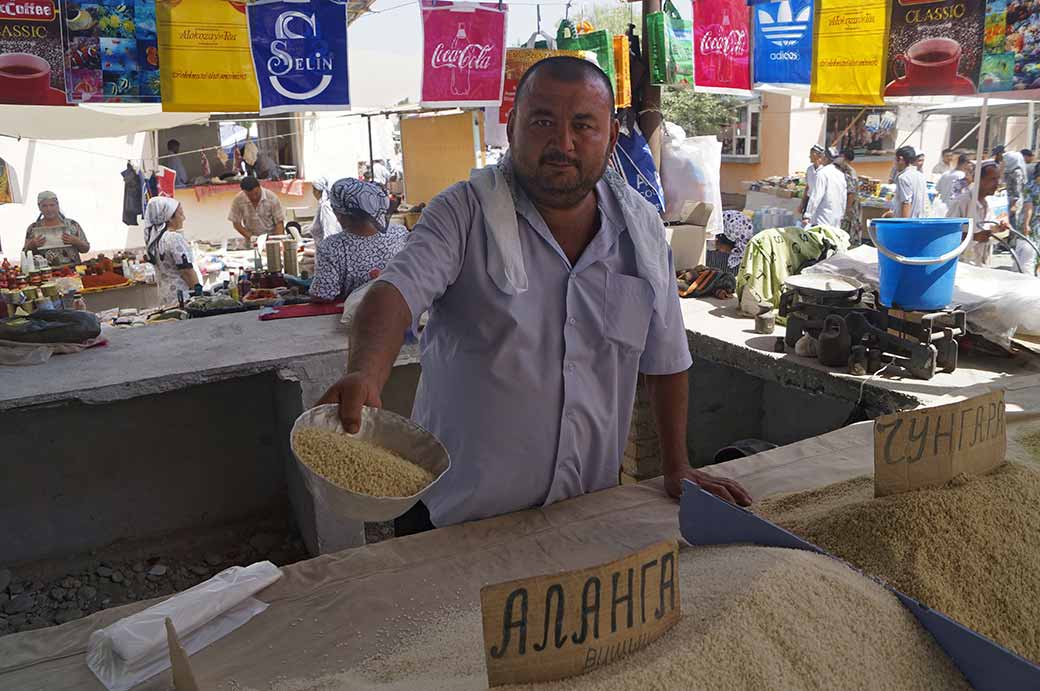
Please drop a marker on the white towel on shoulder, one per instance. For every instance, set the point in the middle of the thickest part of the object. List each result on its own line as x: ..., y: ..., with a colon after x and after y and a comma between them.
x: 505, y: 260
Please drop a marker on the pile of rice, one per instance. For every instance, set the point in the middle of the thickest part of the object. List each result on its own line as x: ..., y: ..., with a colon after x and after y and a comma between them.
x: 753, y: 618
x: 970, y: 550
x: 357, y: 465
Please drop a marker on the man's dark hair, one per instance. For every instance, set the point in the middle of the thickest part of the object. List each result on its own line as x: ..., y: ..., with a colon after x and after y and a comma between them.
x: 906, y: 154
x: 947, y: 151
x: 998, y: 149
x: 849, y: 155
x: 249, y: 183
x: 565, y: 68
x: 962, y: 159
x: 1026, y: 152
x: 171, y: 144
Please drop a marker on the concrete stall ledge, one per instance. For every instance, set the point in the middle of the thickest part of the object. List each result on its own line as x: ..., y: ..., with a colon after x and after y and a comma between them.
x: 717, y: 332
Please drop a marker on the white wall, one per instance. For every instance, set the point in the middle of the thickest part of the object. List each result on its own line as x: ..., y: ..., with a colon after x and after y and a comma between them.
x: 85, y: 174
x: 808, y: 128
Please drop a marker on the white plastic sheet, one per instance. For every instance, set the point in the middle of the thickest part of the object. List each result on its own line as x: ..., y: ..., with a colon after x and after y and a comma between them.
x: 690, y: 171
x: 133, y: 649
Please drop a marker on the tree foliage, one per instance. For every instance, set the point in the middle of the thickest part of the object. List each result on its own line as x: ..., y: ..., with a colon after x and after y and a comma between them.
x: 698, y: 114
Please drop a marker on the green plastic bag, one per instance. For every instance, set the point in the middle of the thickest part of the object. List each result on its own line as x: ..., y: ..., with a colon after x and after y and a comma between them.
x: 599, y: 42
x: 671, y: 46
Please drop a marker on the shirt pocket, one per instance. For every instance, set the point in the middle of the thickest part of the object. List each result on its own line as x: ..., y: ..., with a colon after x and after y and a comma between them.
x: 628, y: 306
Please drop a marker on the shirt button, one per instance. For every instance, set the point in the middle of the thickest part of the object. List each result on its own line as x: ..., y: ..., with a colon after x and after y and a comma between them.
x: 571, y: 277
x: 572, y: 321
x: 570, y: 366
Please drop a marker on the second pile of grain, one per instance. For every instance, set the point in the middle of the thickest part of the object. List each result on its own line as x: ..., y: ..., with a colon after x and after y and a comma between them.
x: 753, y: 618
x: 357, y: 465
x: 970, y: 550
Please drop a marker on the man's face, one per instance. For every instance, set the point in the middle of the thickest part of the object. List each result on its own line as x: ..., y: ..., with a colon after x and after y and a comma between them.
x: 561, y: 137
x: 998, y: 157
x: 900, y: 164
x: 947, y: 158
x: 254, y: 195
x: 990, y: 181
x: 814, y: 158
x: 173, y: 148
x: 1029, y: 157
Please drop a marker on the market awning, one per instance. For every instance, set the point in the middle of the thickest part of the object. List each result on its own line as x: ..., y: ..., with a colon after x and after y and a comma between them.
x: 968, y: 106
x: 90, y: 121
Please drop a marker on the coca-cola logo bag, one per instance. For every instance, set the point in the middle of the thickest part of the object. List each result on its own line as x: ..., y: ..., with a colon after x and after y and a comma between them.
x: 722, y: 46
x: 463, y: 53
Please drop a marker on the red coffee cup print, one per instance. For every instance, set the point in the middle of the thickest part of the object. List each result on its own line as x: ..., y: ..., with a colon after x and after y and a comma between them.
x: 24, y: 79
x: 930, y: 66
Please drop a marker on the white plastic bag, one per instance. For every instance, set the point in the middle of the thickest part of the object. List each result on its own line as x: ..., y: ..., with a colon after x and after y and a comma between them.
x: 134, y: 648
x: 350, y: 305
x: 690, y: 172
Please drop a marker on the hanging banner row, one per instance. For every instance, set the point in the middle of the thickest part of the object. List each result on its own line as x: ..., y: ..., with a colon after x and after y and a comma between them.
x: 269, y: 56
x: 276, y: 56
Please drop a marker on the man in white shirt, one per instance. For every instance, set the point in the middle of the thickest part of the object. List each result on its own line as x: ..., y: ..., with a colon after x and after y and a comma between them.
x: 826, y: 206
x: 810, y: 175
x: 911, y: 187
x: 965, y: 206
x: 947, y: 164
x: 948, y: 183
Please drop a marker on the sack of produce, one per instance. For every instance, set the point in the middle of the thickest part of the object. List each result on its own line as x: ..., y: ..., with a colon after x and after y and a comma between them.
x: 51, y: 326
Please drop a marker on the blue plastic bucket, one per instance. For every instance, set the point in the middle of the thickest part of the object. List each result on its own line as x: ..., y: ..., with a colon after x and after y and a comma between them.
x: 917, y: 260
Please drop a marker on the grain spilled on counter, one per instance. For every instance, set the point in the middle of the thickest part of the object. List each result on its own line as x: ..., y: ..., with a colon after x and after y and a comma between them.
x: 970, y: 550
x: 753, y: 617
x: 357, y: 465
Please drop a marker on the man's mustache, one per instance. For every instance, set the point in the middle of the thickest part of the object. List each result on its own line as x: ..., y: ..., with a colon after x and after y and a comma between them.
x: 559, y: 157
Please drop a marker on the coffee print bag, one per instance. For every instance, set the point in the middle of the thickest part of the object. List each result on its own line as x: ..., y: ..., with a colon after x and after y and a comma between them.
x: 464, y: 49
x: 31, y: 68
x: 935, y: 47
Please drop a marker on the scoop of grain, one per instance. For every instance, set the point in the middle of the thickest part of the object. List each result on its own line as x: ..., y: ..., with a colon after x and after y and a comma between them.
x: 357, y: 465
x: 970, y: 550
x: 753, y: 618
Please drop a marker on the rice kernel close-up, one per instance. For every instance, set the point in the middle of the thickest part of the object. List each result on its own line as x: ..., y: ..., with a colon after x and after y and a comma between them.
x: 357, y: 465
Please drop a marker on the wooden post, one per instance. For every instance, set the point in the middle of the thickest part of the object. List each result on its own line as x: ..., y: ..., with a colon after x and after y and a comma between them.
x: 651, y: 120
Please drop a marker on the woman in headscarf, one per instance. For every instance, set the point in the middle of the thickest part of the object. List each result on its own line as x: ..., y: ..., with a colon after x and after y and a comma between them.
x: 348, y: 260
x: 53, y: 236
x: 325, y: 223
x: 730, y: 244
x: 168, y: 249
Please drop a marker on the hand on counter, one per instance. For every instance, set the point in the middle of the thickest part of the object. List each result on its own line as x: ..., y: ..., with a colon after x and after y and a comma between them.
x: 721, y: 487
x: 350, y: 393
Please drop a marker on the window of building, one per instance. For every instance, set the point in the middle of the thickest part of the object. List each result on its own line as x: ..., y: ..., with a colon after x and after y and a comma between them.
x: 275, y: 138
x: 867, y: 131
x: 740, y: 139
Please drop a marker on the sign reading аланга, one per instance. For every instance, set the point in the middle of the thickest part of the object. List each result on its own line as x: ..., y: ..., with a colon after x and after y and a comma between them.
x: 300, y: 54
x: 557, y: 626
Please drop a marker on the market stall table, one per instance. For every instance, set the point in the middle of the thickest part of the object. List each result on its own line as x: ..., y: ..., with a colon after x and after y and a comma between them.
x: 140, y: 296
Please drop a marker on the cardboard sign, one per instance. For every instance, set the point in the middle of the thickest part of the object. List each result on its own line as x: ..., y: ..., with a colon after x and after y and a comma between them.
x: 930, y: 446
x: 299, y: 54
x: 552, y: 627
x: 464, y: 48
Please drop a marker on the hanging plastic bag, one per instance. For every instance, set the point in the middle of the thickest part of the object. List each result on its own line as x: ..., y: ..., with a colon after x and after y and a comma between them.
x: 690, y: 168
x: 632, y: 158
x: 671, y: 46
x: 599, y: 42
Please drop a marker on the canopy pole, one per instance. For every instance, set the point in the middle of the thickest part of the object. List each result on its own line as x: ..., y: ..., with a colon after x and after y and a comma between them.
x: 371, y: 156
x: 650, y: 116
x: 1030, y: 125
x: 981, y: 150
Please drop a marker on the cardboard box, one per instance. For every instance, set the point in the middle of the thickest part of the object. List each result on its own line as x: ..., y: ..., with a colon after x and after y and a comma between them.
x: 696, y: 213
x: 689, y: 244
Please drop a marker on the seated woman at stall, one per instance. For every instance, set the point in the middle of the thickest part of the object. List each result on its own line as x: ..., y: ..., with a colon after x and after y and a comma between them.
x: 53, y: 236
x: 168, y: 249
x: 350, y: 259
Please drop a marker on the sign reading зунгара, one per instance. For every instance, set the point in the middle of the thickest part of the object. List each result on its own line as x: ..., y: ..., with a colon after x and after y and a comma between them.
x: 557, y: 626
x: 300, y: 55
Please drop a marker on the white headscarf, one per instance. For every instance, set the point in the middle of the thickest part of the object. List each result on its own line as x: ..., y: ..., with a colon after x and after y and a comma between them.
x: 158, y: 213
